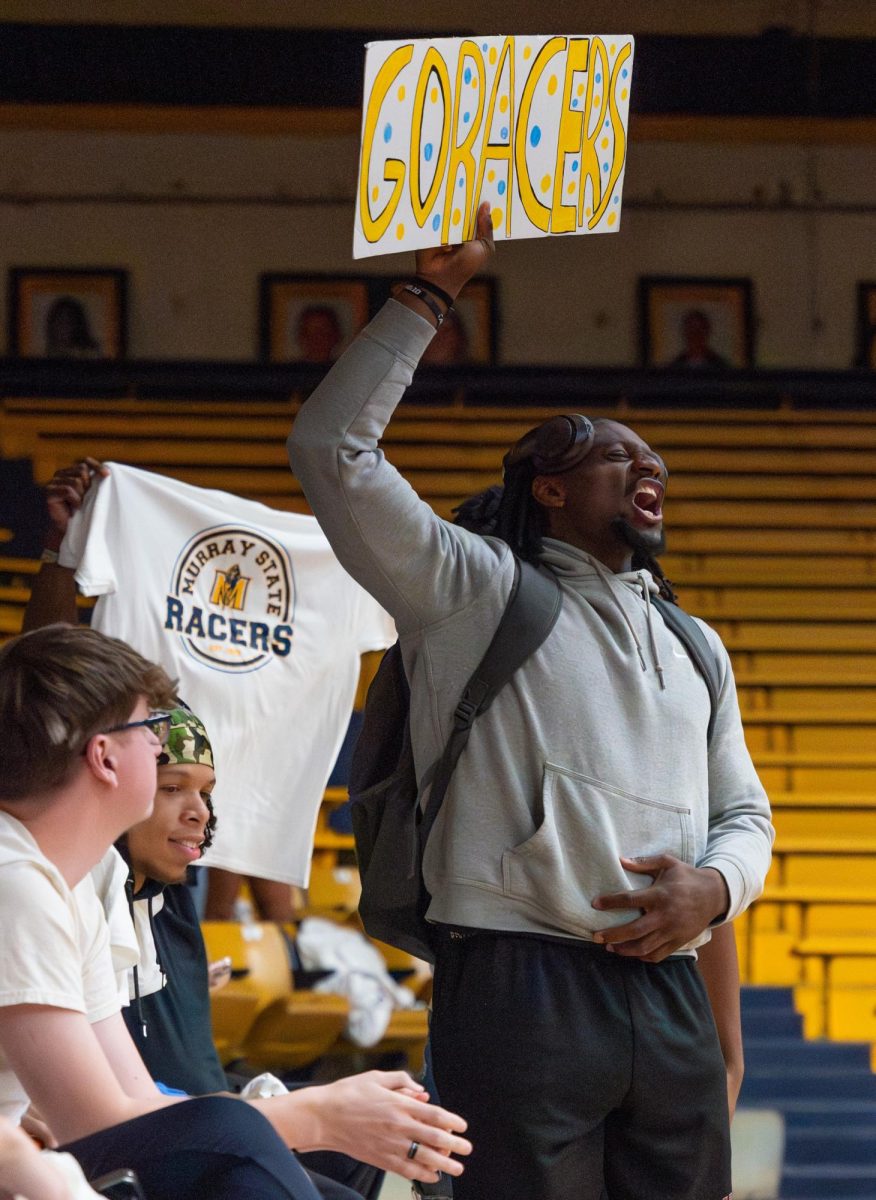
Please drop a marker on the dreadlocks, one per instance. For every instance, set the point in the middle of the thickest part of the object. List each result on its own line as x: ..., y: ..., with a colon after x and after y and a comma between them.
x: 513, y: 514
x: 509, y: 512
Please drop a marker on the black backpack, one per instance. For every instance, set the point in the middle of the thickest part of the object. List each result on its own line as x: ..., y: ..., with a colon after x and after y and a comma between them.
x: 390, y: 826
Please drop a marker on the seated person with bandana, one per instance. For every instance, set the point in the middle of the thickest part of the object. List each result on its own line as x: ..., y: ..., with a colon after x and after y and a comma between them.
x: 169, y: 1012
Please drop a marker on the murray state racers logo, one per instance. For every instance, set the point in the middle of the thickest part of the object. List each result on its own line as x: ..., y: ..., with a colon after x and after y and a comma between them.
x: 232, y: 599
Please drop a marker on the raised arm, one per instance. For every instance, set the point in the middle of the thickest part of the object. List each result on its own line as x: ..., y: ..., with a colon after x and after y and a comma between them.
x: 387, y: 538
x: 53, y: 591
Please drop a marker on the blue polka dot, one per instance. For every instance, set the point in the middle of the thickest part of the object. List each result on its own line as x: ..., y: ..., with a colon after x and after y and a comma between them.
x: 617, y: 199
x: 461, y: 181
x: 624, y: 73
x: 599, y: 79
x: 504, y: 131
x: 467, y: 75
x: 427, y: 152
x: 606, y: 124
x: 466, y: 117
x: 574, y: 103
x: 501, y: 187
x: 575, y: 165
x: 436, y: 221
x: 605, y: 167
x: 484, y: 47
x: 387, y: 132
x: 535, y: 135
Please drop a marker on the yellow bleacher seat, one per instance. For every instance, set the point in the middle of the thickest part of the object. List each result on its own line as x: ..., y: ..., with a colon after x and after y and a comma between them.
x: 787, y: 914
x: 232, y: 1012
x: 837, y: 967
x: 827, y: 863
x: 333, y: 890
x: 289, y: 1027
x: 418, y: 974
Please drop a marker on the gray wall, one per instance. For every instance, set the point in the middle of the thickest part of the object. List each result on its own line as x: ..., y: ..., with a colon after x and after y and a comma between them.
x: 194, y: 266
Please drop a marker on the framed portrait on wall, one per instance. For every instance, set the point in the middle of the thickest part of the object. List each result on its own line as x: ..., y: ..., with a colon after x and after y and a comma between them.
x: 468, y: 335
x: 62, y: 312
x: 475, y: 339
x: 865, y: 352
x: 310, y: 318
x: 696, y: 323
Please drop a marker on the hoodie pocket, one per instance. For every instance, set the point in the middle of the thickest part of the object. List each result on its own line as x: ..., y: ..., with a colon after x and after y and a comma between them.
x: 573, y: 856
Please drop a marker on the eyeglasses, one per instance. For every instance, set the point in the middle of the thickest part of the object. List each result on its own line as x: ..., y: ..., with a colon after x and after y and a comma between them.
x: 157, y: 724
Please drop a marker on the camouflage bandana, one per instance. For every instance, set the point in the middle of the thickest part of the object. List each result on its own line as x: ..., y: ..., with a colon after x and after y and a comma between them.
x: 188, y: 742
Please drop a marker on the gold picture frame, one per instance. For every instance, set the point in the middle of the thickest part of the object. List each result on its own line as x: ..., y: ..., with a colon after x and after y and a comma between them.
x: 68, y: 313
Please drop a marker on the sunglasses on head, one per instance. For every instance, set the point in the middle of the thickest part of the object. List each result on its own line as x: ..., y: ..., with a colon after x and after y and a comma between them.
x: 556, y: 445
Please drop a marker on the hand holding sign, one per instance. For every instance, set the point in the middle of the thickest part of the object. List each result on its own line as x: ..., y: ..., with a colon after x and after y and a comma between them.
x: 451, y: 267
x: 534, y: 126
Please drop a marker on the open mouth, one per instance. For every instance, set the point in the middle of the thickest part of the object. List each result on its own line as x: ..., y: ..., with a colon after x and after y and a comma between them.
x: 648, y: 499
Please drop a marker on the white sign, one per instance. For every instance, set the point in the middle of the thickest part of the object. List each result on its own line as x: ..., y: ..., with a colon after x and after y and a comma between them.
x: 535, y: 125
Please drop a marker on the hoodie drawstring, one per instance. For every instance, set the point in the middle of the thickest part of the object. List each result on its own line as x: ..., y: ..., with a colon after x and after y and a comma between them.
x: 158, y: 961
x: 129, y: 892
x: 135, y: 974
x: 604, y: 575
x: 649, y: 616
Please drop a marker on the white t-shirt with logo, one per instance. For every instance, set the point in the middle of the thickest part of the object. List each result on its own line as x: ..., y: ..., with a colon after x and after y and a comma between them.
x: 249, y: 608
x: 54, y: 944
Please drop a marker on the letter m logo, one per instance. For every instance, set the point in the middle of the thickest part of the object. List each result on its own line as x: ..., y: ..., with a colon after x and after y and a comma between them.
x: 229, y: 588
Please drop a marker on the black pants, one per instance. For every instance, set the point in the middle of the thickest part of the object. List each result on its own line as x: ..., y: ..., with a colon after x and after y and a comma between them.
x: 336, y: 1175
x: 582, y: 1075
x: 212, y: 1147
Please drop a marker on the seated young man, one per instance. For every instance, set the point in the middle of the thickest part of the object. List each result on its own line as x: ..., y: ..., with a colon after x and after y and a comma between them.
x: 168, y: 1017
x: 77, y: 768
x: 169, y: 1014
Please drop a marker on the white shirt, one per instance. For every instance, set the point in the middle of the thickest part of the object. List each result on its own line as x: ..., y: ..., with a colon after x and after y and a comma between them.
x: 54, y: 944
x: 250, y: 609
x: 132, y: 941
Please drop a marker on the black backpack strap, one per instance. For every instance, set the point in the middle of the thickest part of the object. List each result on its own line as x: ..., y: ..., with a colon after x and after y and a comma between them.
x: 529, y: 616
x: 694, y: 641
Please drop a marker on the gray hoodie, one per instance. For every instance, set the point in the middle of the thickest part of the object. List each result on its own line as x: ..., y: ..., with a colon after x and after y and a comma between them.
x: 597, y: 746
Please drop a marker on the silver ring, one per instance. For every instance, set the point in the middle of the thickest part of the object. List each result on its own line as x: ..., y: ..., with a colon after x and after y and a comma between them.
x: 412, y: 1149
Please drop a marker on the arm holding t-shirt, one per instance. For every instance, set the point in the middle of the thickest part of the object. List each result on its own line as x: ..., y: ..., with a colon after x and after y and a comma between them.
x: 53, y: 591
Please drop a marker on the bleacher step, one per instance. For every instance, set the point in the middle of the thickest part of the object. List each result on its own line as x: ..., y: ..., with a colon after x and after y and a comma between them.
x: 773, y: 1054
x: 820, y: 1114
x: 839, y: 1181
x: 817, y: 1144
x: 771, y: 1025
x: 756, y: 999
x: 773, y: 1087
